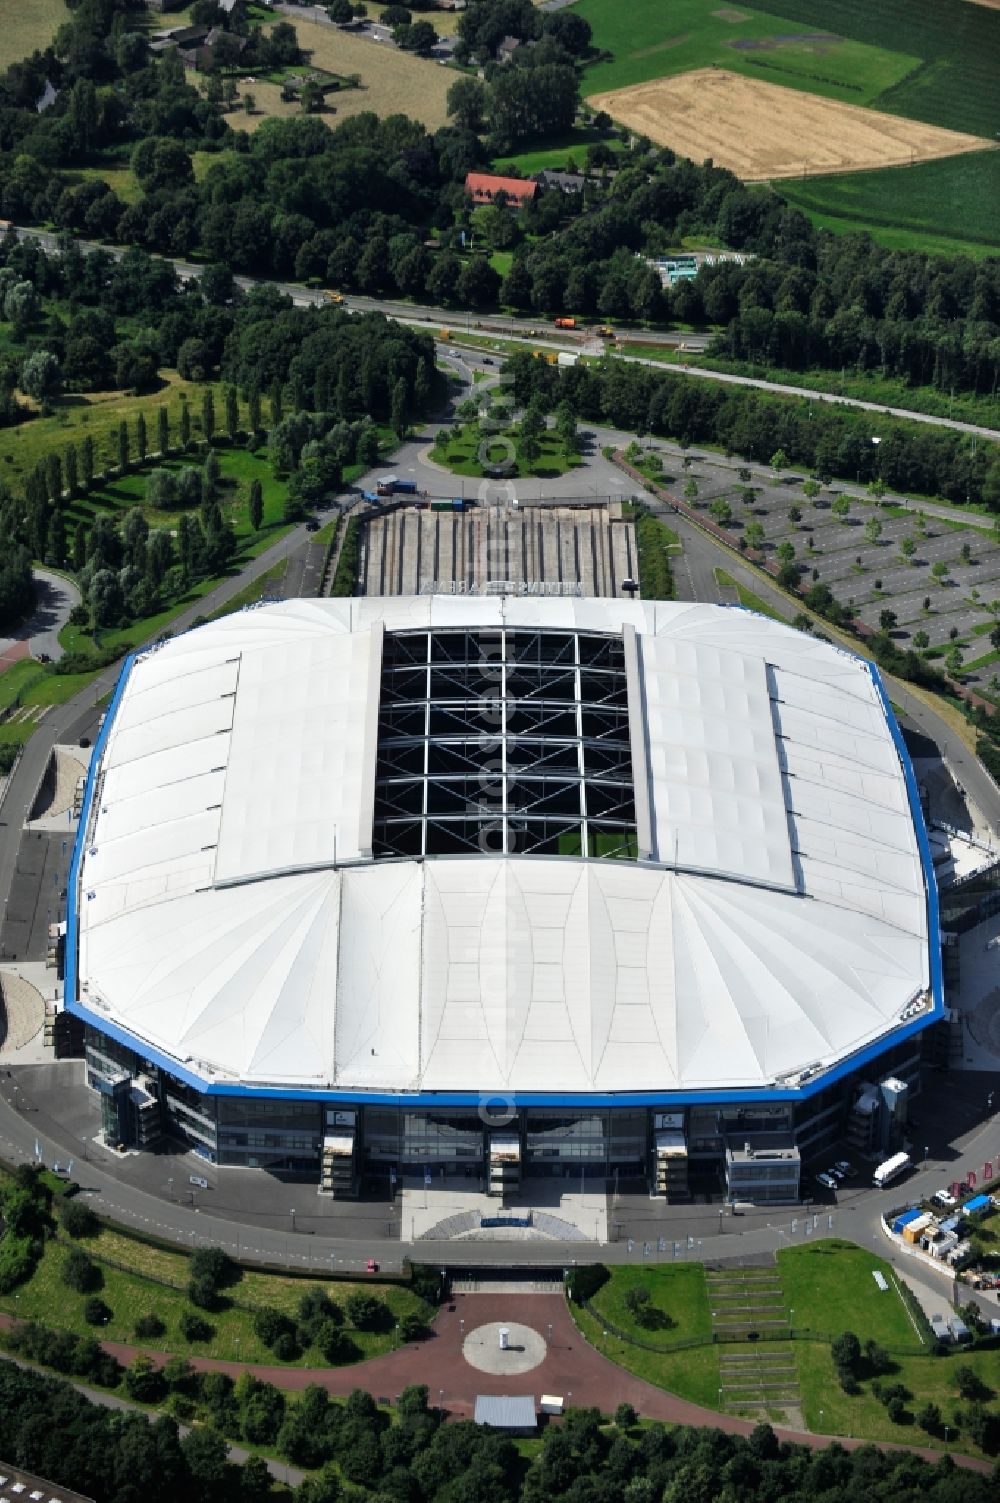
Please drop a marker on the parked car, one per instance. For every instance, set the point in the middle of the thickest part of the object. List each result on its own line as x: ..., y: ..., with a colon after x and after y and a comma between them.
x: 835, y: 1173
x: 845, y: 1167
x: 944, y: 1198
x: 825, y: 1180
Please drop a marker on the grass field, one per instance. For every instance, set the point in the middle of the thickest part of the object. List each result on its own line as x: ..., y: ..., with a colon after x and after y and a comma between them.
x: 392, y: 82
x: 933, y: 60
x: 951, y: 205
x: 460, y: 454
x: 649, y: 41
x: 29, y: 26
x: 132, y: 1294
x: 762, y: 130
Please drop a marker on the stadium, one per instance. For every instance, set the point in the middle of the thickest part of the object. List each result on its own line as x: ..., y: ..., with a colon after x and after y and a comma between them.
x: 503, y: 887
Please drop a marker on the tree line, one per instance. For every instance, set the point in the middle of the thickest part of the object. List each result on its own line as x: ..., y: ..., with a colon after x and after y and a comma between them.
x: 356, y: 206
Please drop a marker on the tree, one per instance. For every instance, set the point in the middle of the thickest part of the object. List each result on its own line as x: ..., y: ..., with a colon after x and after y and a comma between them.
x: 921, y: 641
x: 846, y: 1353
x: 795, y: 514
x: 398, y: 418
x: 887, y: 620
x: 208, y: 413
x: 253, y: 409
x: 141, y: 438
x: 365, y: 1311
x: 79, y: 1272
x: 779, y: 460
x: 907, y: 548
x: 754, y: 534
x: 341, y: 12
x: 41, y: 377
x: 78, y: 1220
x: 939, y: 571
x: 466, y: 104
x: 841, y: 507
x: 96, y: 1312
x: 144, y: 1382
x: 720, y: 511
x: 185, y: 426
x: 232, y: 413
x: 256, y: 505
x: 953, y: 661
x: 873, y: 530
x: 123, y: 447
x: 929, y: 1418
x: 69, y: 464
x: 785, y: 551
x: 194, y: 1327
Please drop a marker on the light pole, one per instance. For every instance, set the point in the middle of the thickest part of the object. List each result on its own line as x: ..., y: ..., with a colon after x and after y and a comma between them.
x: 292, y: 1214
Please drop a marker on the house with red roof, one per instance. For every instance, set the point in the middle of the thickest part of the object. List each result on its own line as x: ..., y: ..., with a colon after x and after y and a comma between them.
x: 483, y: 187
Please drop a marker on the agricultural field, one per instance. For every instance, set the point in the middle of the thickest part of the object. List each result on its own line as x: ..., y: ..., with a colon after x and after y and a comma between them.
x: 392, y: 82
x: 932, y: 60
x: 951, y: 205
x: 649, y: 41
x: 764, y: 130
x: 29, y: 27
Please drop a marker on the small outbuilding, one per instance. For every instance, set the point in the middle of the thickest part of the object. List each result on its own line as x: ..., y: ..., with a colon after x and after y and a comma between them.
x: 512, y: 1413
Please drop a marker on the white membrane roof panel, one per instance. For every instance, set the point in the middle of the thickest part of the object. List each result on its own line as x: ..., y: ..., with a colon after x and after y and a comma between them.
x: 229, y: 919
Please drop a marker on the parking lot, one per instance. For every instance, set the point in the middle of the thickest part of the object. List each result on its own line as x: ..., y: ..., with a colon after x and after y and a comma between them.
x: 939, y: 577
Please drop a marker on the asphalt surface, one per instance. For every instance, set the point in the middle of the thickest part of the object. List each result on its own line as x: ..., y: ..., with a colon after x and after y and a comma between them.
x: 56, y: 596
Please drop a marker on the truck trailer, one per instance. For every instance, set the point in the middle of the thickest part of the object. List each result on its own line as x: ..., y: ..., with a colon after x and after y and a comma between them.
x: 891, y: 1169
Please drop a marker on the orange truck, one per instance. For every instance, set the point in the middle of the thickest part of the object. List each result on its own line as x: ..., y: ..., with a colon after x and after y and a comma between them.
x: 565, y: 323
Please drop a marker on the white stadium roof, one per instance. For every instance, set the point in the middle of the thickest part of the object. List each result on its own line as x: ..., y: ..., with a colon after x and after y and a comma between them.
x: 233, y: 919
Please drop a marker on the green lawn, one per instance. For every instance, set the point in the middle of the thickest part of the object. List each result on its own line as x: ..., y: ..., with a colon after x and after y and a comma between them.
x: 557, y: 152
x: 676, y: 1291
x: 29, y: 27
x: 649, y: 40
x: 952, y: 205
x: 463, y: 454
x: 129, y: 1295
x: 830, y: 1287
x: 692, y: 1373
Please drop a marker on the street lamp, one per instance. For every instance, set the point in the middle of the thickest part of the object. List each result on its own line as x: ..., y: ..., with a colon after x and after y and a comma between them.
x: 292, y: 1214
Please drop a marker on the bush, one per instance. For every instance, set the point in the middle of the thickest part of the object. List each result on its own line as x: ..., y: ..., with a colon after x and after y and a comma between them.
x: 366, y: 1312
x: 144, y: 1382
x: 212, y: 1263
x: 96, y: 1312
x: 584, y: 1282
x: 636, y: 1300
x: 411, y: 1327
x: 930, y: 1419
x: 194, y: 1327
x: 896, y: 1410
x: 335, y: 1344
x: 286, y: 1348
x: 270, y: 1325
x: 18, y: 1256
x: 201, y: 1291
x: 427, y: 1283
x: 80, y: 1273
x: 78, y: 1220
x: 316, y: 1310
x: 625, y: 1416
x: 149, y: 1325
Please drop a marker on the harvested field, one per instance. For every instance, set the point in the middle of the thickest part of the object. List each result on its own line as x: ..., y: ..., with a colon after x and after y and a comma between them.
x: 28, y: 27
x: 762, y: 130
x: 393, y: 82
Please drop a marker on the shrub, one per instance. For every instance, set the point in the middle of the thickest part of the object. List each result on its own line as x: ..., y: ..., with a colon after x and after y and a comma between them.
x: 180, y: 1376
x: 78, y: 1220
x: 366, y: 1312
x: 896, y: 1410
x: 144, y: 1382
x: 317, y: 1309
x: 583, y: 1283
x: 18, y: 1256
x: 80, y: 1273
x: 270, y: 1325
x: 201, y: 1291
x: 427, y: 1283
x: 410, y: 1326
x: 286, y: 1348
x: 96, y: 1312
x: 149, y: 1325
x: 194, y: 1327
x: 335, y: 1344
x: 636, y: 1300
x: 625, y: 1416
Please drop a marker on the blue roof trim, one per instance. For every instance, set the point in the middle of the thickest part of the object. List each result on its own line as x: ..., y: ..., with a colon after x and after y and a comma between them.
x: 70, y: 976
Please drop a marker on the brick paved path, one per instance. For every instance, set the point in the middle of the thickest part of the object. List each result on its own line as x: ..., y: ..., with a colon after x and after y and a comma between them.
x: 572, y: 1369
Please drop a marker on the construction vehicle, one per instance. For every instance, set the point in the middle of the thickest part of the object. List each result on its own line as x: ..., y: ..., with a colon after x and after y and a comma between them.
x: 333, y: 297
x: 564, y: 323
x: 444, y: 333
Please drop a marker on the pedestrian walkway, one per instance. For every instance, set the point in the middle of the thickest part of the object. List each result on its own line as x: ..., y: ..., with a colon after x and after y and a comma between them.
x: 570, y: 1368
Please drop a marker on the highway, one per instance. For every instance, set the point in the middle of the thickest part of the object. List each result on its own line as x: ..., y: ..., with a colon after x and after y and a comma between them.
x: 540, y: 333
